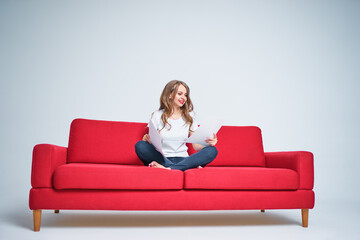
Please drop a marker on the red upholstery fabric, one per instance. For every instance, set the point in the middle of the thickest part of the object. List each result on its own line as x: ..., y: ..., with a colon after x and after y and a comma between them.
x: 191, y: 150
x: 101, y: 156
x: 46, y: 198
x: 111, y: 176
x: 239, y: 146
x: 241, y: 178
x: 95, y: 141
x: 300, y: 161
x: 46, y: 158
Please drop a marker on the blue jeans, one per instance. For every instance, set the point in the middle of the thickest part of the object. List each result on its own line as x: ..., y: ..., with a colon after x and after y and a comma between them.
x: 147, y: 153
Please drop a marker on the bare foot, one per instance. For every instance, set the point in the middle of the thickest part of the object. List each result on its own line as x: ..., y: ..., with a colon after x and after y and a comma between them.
x: 157, y: 165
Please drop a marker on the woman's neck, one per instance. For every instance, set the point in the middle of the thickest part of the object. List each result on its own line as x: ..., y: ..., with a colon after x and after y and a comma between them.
x: 176, y: 113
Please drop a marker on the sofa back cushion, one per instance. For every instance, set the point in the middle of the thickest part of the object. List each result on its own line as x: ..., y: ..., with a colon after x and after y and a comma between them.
x: 98, y: 141
x: 239, y: 146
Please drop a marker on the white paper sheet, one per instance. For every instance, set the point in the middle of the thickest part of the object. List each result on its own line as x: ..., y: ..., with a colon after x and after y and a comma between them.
x: 155, y: 137
x: 206, y: 130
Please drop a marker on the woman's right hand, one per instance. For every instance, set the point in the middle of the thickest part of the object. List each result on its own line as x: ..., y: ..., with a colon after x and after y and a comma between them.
x: 146, y: 138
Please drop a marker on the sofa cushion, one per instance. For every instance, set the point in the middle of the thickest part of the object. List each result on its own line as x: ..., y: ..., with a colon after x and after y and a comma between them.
x: 95, y: 141
x: 241, y: 178
x: 239, y: 146
x: 112, y: 176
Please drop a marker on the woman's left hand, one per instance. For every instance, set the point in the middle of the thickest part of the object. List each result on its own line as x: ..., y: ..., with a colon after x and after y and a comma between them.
x: 212, y: 141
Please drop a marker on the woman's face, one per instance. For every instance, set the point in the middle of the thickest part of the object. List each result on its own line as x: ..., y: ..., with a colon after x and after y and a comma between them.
x: 180, y: 97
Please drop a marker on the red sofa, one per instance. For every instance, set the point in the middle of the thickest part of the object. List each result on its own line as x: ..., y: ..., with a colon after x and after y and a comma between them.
x: 99, y: 170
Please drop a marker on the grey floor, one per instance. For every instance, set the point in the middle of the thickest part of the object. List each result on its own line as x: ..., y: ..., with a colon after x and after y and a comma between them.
x: 326, y: 221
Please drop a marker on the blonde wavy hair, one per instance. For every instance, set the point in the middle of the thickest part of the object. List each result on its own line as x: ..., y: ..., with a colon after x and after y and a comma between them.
x: 170, y: 90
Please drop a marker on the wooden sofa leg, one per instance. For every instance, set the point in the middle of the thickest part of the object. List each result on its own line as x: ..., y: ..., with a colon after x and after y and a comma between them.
x: 262, y: 210
x: 305, y: 217
x: 57, y: 211
x: 37, y: 219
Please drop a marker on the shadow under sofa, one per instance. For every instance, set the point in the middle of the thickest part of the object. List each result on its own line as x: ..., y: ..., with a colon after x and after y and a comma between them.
x: 99, y: 170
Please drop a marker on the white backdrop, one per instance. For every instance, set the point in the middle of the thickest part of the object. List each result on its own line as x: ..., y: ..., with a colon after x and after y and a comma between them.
x: 289, y: 67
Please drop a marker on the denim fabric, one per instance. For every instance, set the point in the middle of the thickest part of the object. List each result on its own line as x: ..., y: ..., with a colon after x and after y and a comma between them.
x: 147, y: 153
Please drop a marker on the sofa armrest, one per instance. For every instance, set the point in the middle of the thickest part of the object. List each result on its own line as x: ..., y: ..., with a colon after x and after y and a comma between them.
x: 300, y: 161
x: 46, y: 158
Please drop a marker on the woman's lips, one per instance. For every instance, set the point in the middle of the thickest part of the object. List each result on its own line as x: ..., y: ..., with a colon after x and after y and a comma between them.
x: 182, y: 102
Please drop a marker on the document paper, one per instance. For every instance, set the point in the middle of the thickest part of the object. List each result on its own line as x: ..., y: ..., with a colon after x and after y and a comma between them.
x: 206, y: 130
x: 155, y: 137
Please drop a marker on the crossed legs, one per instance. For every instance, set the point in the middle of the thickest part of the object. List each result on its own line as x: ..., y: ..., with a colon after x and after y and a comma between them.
x: 151, y: 157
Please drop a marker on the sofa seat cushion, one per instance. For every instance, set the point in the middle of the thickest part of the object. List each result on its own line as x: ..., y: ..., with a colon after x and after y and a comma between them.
x: 112, y: 176
x: 241, y: 178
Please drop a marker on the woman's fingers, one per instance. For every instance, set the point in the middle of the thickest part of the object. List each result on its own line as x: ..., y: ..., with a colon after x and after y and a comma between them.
x: 147, y: 138
x: 212, y: 141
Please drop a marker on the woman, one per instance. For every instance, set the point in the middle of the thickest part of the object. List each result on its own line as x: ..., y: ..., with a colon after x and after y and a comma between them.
x: 175, y: 122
